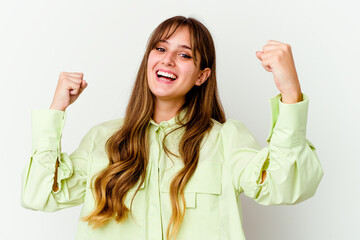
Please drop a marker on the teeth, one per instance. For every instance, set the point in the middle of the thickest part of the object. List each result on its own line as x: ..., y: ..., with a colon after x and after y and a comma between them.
x: 164, y: 74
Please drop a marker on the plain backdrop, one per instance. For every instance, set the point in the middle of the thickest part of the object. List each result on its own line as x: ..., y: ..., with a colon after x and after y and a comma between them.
x: 106, y: 40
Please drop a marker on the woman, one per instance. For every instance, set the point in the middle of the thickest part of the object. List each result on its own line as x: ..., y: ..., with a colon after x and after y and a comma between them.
x: 173, y: 162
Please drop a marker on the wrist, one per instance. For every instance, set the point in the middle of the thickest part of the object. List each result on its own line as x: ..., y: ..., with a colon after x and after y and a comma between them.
x: 53, y: 107
x: 290, y: 98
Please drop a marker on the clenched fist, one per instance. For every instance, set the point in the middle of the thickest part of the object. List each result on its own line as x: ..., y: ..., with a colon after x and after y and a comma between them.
x: 68, y: 89
x: 277, y: 58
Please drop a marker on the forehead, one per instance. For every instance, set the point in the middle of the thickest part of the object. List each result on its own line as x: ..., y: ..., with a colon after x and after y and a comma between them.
x: 182, y: 33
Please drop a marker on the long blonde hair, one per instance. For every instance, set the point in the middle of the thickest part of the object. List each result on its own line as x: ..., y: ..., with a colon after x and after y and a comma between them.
x: 128, y: 147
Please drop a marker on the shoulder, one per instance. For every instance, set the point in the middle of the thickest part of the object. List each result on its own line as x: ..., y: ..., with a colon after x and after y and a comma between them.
x: 235, y: 133
x: 229, y: 129
x: 110, y: 124
x: 234, y: 125
x: 230, y: 125
x: 106, y: 128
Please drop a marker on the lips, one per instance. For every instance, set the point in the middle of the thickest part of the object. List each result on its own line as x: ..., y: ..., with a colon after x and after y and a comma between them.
x: 167, y: 72
x: 164, y: 80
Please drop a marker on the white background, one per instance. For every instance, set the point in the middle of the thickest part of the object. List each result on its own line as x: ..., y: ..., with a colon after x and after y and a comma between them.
x: 106, y: 41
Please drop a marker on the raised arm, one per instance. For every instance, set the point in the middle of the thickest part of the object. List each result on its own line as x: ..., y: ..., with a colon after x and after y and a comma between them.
x: 293, y: 171
x: 53, y: 180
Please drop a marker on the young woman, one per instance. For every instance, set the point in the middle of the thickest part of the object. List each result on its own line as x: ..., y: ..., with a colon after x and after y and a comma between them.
x: 173, y: 167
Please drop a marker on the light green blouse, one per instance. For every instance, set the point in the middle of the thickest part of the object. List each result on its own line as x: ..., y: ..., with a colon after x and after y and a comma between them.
x: 231, y: 162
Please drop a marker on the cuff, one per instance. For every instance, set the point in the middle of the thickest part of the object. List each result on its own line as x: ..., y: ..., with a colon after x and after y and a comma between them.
x: 46, y: 128
x: 288, y: 122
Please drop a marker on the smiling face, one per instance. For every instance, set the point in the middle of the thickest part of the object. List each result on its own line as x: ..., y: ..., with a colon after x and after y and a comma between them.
x: 171, y: 71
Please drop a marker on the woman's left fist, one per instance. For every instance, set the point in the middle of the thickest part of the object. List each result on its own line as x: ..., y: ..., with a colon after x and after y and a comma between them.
x: 277, y: 58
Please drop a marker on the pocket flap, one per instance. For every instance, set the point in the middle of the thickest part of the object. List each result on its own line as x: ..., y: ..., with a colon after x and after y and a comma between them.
x: 206, y: 179
x: 136, y: 186
x: 190, y: 199
x: 98, y: 167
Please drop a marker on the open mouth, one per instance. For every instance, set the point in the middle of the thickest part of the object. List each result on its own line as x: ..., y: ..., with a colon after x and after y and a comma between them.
x: 164, y: 76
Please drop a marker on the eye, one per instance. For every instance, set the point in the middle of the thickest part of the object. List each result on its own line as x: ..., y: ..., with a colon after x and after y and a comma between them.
x: 160, y: 49
x: 185, y: 56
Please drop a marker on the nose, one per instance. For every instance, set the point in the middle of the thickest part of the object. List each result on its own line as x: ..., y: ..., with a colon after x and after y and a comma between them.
x: 168, y: 59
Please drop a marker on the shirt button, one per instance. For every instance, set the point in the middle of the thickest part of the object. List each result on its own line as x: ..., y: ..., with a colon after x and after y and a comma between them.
x: 164, y: 124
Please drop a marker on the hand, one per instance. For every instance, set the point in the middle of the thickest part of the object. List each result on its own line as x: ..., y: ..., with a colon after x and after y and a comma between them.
x: 68, y: 89
x: 277, y: 58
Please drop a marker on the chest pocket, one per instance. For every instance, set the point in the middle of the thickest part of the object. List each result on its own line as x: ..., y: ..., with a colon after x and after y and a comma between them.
x: 202, y: 195
x: 203, y: 188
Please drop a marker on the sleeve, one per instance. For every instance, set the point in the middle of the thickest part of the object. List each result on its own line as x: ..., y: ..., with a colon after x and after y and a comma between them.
x: 293, y: 170
x: 38, y: 174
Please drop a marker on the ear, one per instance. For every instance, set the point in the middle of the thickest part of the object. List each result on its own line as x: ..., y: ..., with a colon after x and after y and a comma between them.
x: 203, y: 76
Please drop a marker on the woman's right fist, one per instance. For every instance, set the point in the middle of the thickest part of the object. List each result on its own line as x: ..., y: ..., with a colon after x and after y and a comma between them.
x: 68, y: 89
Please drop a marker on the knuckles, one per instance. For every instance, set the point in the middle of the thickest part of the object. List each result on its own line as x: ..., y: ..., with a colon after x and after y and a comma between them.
x: 281, y: 45
x: 277, y: 58
x: 78, y: 74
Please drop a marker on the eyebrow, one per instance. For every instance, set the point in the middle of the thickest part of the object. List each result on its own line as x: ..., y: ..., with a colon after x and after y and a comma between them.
x: 182, y: 46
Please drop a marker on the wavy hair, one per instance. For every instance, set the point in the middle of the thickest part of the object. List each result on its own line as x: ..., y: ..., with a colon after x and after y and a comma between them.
x: 128, y: 147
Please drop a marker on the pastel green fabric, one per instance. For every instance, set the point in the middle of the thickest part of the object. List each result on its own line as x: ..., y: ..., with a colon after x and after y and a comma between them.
x: 230, y: 163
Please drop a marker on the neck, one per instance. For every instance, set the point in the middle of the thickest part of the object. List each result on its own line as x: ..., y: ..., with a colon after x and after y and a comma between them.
x: 165, y: 109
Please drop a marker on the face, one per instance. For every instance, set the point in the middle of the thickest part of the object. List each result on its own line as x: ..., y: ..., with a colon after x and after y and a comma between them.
x: 171, y: 71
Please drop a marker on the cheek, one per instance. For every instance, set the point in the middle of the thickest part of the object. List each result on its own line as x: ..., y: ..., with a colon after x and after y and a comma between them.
x: 150, y: 66
x: 151, y: 60
x: 190, y: 73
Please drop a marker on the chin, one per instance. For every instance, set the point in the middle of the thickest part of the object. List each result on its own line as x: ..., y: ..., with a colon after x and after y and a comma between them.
x: 162, y: 96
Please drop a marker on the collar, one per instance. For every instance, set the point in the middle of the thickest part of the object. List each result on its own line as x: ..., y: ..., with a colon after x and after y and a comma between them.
x: 173, y: 122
